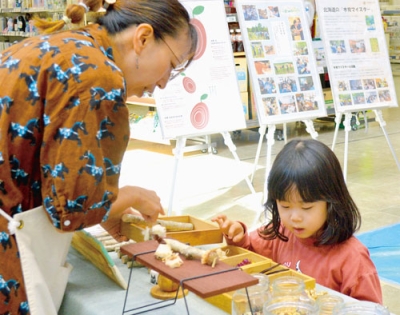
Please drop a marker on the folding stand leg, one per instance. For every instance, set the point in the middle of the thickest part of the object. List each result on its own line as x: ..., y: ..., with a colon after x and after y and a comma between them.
x: 310, y: 128
x: 146, y: 308
x: 229, y: 143
x: 178, y: 153
x: 347, y: 128
x: 338, y: 120
x: 382, y: 123
x: 262, y: 130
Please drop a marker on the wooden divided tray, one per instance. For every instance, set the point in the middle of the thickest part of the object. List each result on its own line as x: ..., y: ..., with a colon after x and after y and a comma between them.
x: 203, y: 280
x: 204, y: 232
x: 258, y: 264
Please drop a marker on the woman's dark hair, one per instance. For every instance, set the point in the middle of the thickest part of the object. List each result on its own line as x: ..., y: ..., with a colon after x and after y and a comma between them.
x: 311, y: 167
x: 167, y: 17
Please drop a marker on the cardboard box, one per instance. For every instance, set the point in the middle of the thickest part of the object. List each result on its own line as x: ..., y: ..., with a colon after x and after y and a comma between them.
x: 258, y: 264
x: 204, y: 232
x: 241, y: 73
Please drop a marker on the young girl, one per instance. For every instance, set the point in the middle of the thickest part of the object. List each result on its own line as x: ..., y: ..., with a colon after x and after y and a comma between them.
x: 313, y: 222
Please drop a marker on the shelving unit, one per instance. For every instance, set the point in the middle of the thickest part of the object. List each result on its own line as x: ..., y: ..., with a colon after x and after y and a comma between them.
x: 7, y: 38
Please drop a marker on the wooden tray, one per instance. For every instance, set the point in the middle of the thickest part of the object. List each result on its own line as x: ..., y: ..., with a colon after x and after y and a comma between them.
x: 202, y: 280
x: 204, y: 232
x: 259, y: 263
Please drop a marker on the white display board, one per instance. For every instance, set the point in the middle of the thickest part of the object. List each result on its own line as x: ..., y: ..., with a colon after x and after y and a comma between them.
x: 282, y: 67
x: 357, y: 57
x: 205, y: 98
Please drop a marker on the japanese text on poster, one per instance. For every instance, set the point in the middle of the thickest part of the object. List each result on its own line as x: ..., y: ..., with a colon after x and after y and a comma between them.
x: 358, y: 63
x: 281, y: 61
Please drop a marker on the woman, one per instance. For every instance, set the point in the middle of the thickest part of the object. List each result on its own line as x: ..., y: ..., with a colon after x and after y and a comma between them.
x: 64, y: 126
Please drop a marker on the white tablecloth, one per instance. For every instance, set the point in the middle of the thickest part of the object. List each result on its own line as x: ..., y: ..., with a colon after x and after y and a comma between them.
x: 90, y: 292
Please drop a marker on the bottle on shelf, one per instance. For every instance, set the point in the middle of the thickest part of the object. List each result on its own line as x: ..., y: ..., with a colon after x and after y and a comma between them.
x: 3, y: 4
x: 233, y: 39
x: 239, y: 41
x: 21, y: 23
x: 2, y: 24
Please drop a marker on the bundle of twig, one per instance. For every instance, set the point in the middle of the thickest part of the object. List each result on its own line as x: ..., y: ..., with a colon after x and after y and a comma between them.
x: 207, y: 257
x: 171, y: 226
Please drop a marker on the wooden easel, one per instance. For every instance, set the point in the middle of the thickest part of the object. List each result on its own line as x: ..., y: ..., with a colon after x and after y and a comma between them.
x: 178, y: 154
x: 347, y: 128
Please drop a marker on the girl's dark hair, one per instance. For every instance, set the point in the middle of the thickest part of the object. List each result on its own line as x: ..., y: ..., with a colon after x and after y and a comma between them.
x: 311, y: 167
x: 167, y: 17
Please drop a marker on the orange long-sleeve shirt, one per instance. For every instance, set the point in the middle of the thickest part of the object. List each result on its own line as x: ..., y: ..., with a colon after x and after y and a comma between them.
x: 64, y: 128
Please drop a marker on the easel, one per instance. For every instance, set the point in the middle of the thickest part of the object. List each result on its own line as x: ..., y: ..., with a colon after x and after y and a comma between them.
x: 271, y: 141
x: 347, y: 128
x: 180, y: 150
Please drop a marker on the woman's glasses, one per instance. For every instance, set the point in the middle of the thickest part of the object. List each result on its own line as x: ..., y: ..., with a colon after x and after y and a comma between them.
x: 179, y: 68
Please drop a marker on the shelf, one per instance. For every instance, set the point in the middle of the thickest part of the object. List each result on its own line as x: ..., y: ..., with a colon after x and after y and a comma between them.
x: 29, y: 10
x: 16, y: 35
x: 142, y: 101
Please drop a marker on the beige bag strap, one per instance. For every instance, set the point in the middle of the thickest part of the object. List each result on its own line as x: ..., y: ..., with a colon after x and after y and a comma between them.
x: 12, y: 224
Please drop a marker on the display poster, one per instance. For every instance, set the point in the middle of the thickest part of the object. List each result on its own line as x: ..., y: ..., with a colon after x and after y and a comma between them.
x: 356, y: 53
x: 282, y: 66
x: 204, y: 98
x: 319, y: 52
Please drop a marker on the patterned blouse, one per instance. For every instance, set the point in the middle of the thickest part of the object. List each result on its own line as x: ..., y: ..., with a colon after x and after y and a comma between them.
x: 64, y: 128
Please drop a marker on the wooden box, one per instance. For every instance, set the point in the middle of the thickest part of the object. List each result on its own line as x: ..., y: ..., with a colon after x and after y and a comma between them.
x: 258, y: 264
x: 203, y: 233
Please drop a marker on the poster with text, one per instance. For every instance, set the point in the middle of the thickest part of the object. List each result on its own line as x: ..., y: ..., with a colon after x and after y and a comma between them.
x: 204, y: 98
x: 356, y: 53
x: 282, y: 66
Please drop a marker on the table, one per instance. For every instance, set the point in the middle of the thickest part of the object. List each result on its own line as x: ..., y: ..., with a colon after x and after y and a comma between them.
x: 90, y: 292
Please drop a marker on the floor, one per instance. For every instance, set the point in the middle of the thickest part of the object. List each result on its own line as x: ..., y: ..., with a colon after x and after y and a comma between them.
x: 204, y: 184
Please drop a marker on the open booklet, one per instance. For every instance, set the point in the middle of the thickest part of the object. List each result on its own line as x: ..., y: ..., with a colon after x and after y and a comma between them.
x: 95, y: 244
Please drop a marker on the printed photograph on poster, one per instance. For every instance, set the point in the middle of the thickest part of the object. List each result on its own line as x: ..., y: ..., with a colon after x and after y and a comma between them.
x: 205, y: 97
x: 281, y: 62
x: 356, y: 54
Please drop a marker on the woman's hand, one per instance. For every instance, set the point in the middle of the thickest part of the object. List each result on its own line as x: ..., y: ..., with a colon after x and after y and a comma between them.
x: 143, y: 200
x: 233, y: 230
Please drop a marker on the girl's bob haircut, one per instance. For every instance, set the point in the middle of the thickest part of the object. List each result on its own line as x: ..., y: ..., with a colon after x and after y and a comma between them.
x: 311, y: 168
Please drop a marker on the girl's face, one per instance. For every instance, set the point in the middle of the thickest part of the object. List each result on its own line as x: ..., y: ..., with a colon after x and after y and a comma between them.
x: 303, y: 219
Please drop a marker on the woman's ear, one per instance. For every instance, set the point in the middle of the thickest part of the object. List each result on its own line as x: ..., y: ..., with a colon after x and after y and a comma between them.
x: 144, y: 34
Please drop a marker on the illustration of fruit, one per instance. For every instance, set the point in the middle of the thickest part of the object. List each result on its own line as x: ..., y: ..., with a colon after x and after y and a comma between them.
x: 199, y: 116
x: 188, y: 84
x: 201, y: 33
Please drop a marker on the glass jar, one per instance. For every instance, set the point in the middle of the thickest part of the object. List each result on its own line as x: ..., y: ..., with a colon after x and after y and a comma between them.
x: 360, y: 308
x: 289, y: 286
x: 288, y: 295
x: 327, y: 303
x: 243, y: 304
x: 294, y: 307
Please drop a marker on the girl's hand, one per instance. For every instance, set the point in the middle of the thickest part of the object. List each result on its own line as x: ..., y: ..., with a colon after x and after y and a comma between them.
x: 233, y: 230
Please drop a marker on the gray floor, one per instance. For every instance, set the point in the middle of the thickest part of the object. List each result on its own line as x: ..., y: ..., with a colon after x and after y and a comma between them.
x: 203, y: 184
